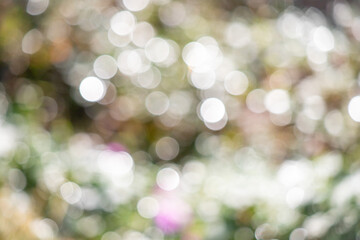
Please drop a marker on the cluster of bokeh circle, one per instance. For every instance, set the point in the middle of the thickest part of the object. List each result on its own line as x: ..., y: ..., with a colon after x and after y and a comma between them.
x: 256, y: 76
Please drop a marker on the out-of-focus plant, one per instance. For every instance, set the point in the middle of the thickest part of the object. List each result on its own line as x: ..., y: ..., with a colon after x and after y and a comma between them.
x: 139, y: 119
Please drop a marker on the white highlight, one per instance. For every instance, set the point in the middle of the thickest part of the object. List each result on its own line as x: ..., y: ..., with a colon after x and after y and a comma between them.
x: 148, y: 207
x: 136, y: 5
x: 70, y: 192
x: 323, y: 39
x: 277, y: 101
x: 354, y: 108
x: 105, y: 67
x: 92, y: 89
x: 167, y: 179
x: 32, y: 41
x: 212, y: 110
x: 123, y: 23
x: 157, y: 103
x: 36, y: 7
x: 203, y: 80
x: 236, y: 83
x: 157, y: 50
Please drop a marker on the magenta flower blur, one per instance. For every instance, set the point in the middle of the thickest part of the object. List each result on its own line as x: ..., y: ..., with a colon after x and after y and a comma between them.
x: 116, y: 147
x: 174, y: 214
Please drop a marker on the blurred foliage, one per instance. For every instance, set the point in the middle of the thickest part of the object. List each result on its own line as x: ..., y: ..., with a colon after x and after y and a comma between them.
x: 192, y: 119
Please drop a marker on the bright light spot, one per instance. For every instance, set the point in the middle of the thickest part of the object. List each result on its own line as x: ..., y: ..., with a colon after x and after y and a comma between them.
x: 294, y: 197
x: 212, y: 110
x: 277, y: 101
x: 32, y: 41
x: 36, y: 7
x: 354, y: 108
x: 136, y: 5
x: 167, y: 179
x: 167, y: 148
x: 123, y: 23
x: 255, y: 101
x: 292, y: 173
x: 148, y: 207
x: 131, y: 62
x: 115, y: 164
x: 143, y: 32
x: 44, y: 229
x: 173, y: 54
x: 105, y: 67
x: 70, y: 192
x: 8, y: 138
x: 203, y: 80
x: 237, y: 35
x: 216, y: 126
x: 157, y: 103
x: 323, y: 39
x: 157, y: 50
x: 236, y: 83
x: 203, y: 55
x: 92, y: 89
x: 118, y: 40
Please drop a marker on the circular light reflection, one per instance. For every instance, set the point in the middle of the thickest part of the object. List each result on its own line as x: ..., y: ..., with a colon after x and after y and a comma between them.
x: 203, y: 80
x: 115, y: 163
x: 168, y: 179
x: 277, y: 101
x: 157, y: 103
x: 167, y: 148
x: 323, y: 39
x: 212, y: 110
x: 148, y: 207
x: 149, y: 79
x: 123, y: 23
x: 142, y: 33
x: 105, y: 67
x: 92, y: 89
x: 157, y: 50
x: 237, y: 35
x: 172, y: 14
x: 32, y: 41
x: 236, y: 83
x: 354, y: 108
x: 136, y: 5
x: 118, y: 40
x: 255, y: 101
x: 70, y: 192
x: 131, y: 62
x: 36, y: 7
